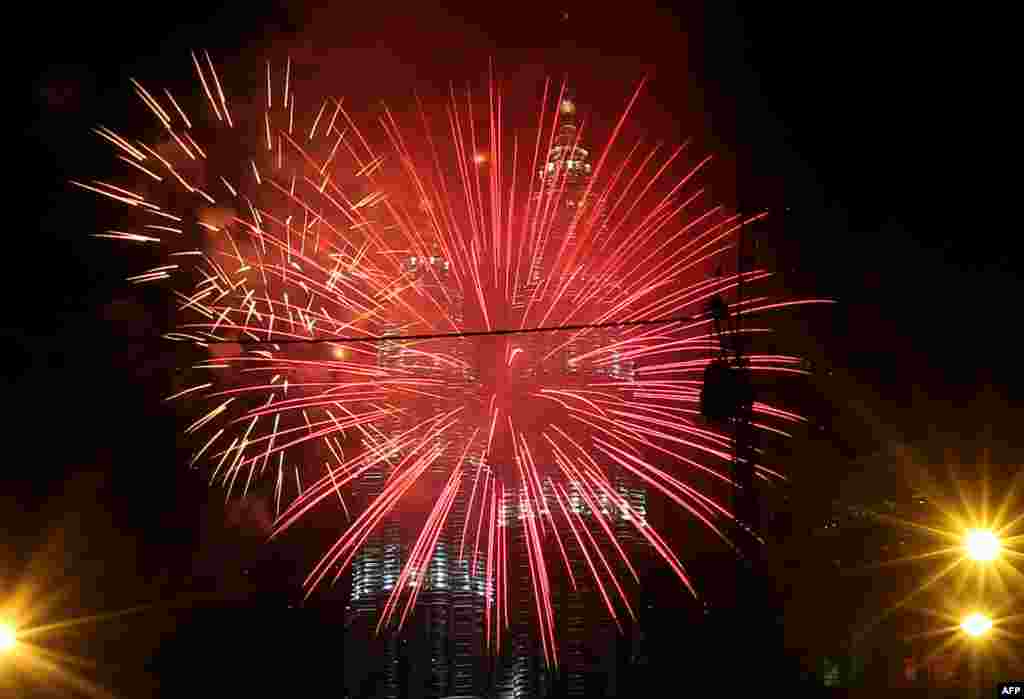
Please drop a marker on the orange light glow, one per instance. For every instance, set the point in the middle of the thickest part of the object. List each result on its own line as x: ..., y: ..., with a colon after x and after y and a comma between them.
x: 8, y: 637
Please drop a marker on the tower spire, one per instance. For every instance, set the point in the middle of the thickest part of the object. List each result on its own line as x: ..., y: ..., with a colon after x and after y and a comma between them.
x: 567, y: 119
x: 567, y: 108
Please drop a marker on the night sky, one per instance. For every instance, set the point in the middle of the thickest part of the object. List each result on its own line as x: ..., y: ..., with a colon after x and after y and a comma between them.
x: 857, y: 128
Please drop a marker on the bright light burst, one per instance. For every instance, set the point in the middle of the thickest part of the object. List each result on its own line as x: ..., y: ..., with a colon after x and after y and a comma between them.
x: 968, y: 548
x: 504, y: 445
x: 982, y: 544
x: 8, y: 637
x: 36, y: 646
x: 976, y: 624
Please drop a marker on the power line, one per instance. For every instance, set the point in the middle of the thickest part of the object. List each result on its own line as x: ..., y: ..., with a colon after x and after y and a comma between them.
x: 440, y: 336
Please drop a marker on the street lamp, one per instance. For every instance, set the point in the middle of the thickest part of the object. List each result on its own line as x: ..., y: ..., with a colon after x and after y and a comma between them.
x: 976, y: 625
x: 8, y: 637
x: 982, y: 544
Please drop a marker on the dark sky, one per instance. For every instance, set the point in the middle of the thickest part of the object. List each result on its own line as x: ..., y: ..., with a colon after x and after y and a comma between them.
x: 857, y: 126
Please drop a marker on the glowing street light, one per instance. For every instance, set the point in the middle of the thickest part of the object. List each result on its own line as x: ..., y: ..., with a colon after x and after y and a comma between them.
x: 8, y: 637
x: 479, y: 158
x: 982, y: 544
x: 976, y: 624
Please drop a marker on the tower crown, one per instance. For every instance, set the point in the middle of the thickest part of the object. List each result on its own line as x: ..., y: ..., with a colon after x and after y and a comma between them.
x: 566, y: 153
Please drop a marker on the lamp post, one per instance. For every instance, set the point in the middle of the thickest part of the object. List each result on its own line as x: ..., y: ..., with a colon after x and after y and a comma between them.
x: 727, y: 399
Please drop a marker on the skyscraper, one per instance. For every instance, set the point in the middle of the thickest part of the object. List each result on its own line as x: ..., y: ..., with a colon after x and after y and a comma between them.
x: 441, y: 650
x: 553, y: 293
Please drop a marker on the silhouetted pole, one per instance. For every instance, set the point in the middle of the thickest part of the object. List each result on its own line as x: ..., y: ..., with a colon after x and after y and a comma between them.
x: 727, y: 399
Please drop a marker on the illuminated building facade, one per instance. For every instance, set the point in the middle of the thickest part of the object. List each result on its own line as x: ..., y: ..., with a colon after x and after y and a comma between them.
x: 589, y: 644
x: 441, y: 650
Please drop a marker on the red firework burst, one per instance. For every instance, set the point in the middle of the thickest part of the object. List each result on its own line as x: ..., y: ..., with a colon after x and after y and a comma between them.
x: 540, y: 444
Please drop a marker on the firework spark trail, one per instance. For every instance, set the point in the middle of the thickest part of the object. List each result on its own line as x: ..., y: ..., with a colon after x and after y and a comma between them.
x: 355, y: 467
x: 357, y: 534
x: 328, y: 228
x: 639, y: 239
x: 560, y: 496
x: 582, y: 488
x: 472, y: 495
x: 422, y: 551
x: 575, y: 475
